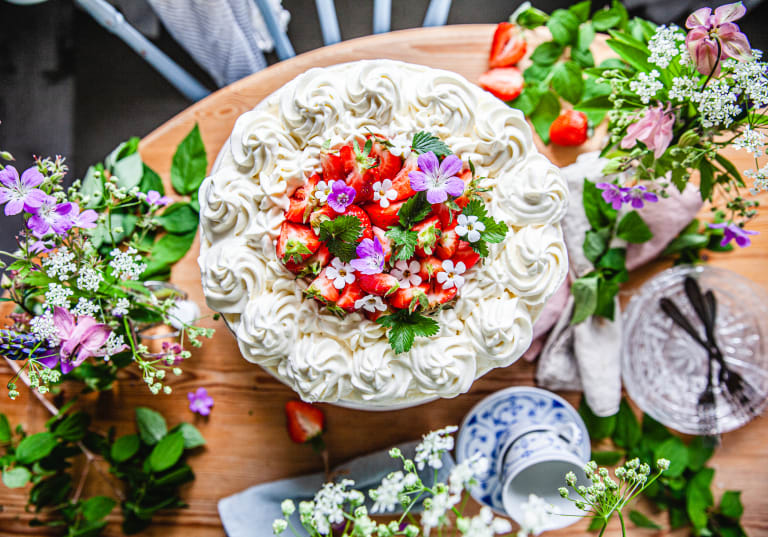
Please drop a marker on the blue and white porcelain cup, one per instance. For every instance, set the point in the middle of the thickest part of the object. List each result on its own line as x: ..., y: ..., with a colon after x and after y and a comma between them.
x: 535, y: 461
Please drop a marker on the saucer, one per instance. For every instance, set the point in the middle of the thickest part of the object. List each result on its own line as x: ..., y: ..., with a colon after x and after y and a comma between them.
x: 493, y: 420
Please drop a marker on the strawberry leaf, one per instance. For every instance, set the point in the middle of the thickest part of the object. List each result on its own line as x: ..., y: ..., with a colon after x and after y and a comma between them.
x: 494, y: 231
x: 294, y: 251
x: 481, y: 247
x: 423, y: 142
x: 404, y: 326
x: 414, y: 210
x: 404, y: 241
x: 341, y: 236
x: 476, y: 207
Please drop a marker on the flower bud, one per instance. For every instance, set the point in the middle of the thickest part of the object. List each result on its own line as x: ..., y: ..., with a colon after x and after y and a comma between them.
x: 688, y: 138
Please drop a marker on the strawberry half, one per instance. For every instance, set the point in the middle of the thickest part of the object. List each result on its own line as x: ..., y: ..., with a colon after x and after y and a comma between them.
x: 378, y: 284
x: 403, y: 298
x: 351, y: 294
x: 322, y: 214
x: 386, y: 243
x: 389, y: 164
x: 437, y: 295
x: 448, y: 243
x: 322, y: 288
x: 296, y: 242
x: 569, y: 128
x: 506, y: 83
x: 305, y: 422
x: 402, y: 183
x: 361, y: 215
x: 358, y: 169
x: 508, y: 46
x: 427, y: 233
x: 466, y: 255
x: 301, y: 204
x: 313, y: 265
x: 333, y: 167
x: 429, y: 267
x: 383, y: 217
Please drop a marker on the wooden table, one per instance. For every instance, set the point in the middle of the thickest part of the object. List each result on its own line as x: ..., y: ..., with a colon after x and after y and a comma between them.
x: 247, y: 443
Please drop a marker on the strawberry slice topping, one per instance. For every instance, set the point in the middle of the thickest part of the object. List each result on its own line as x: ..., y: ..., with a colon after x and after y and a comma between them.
x: 383, y: 217
x: 305, y: 422
x: 322, y: 288
x: 378, y: 284
x: 506, y: 83
x: 296, y: 242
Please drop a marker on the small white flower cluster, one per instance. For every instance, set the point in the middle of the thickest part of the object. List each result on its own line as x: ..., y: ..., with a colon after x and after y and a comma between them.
x: 126, y: 265
x: 89, y: 279
x: 751, y: 141
x: 436, y: 509
x: 85, y: 307
x: 646, y: 86
x: 327, y: 508
x: 113, y: 345
x: 58, y: 295
x: 537, y: 515
x: 121, y: 307
x: 430, y: 451
x: 685, y: 57
x: 464, y: 475
x: 717, y: 104
x: 483, y: 525
x: 664, y: 45
x: 759, y: 179
x: 751, y: 78
x: 387, y: 495
x: 683, y: 88
x: 60, y: 264
x: 401, y: 146
x: 44, y: 328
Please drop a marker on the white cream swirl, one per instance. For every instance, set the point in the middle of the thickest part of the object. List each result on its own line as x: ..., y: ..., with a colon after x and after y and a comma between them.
x: 501, y: 330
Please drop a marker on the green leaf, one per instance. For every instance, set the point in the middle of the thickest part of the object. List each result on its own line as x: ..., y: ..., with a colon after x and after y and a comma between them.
x: 5, y: 429
x: 404, y: 241
x: 684, y: 242
x: 73, y: 427
x: 606, y: 19
x: 97, y: 507
x: 124, y: 448
x: 481, y: 247
x: 584, y: 291
x: 732, y: 170
x: 707, y: 178
x: 423, y: 142
x: 581, y: 10
x: 607, y: 458
x: 495, y: 231
x: 176, y: 477
x: 129, y: 171
x: 546, y: 112
x: 125, y: 149
x: 627, y: 433
x: 151, y: 181
x: 632, y: 228
x: 599, y: 214
x: 189, y: 163
x: 404, y: 326
x: 594, y: 245
x: 167, y: 251
x: 151, y: 425
x: 594, y: 108
x: 585, y: 37
x: 179, y: 218
x: 568, y: 82
x: 613, y: 259
x: 595, y: 524
x: 414, y: 210
x: 633, y: 56
x: 674, y: 450
x: 547, y: 53
x: 583, y: 57
x: 700, y: 450
x: 527, y: 101
x: 597, y: 427
x: 698, y: 498
x: 167, y: 452
x: 341, y: 235
x: 92, y: 187
x: 606, y: 291
x: 563, y: 25
x: 654, y: 433
x: 531, y: 18
x: 536, y: 74
x: 192, y: 437
x: 16, y: 477
x: 35, y: 447
x: 642, y: 521
x: 730, y: 504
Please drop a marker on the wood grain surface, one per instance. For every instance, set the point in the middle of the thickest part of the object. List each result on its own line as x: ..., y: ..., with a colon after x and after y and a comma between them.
x: 247, y: 443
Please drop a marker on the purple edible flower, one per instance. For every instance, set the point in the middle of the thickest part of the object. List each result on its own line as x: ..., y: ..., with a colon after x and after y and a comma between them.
x: 86, y: 219
x: 200, y: 401
x: 638, y: 195
x: 154, y: 198
x: 735, y: 232
x: 341, y: 196
x: 370, y: 257
x: 53, y: 217
x: 20, y: 192
x: 438, y: 179
x: 714, y: 37
x: 612, y: 194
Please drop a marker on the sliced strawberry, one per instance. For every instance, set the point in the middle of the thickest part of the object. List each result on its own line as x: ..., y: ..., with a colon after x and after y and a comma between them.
x: 403, y: 299
x: 301, y: 204
x: 463, y: 200
x: 305, y: 422
x: 569, y: 128
x: 296, y: 242
x: 389, y: 165
x: 508, y: 45
x: 466, y: 255
x: 383, y: 217
x: 359, y: 174
x: 313, y: 265
x: 437, y: 295
x: 378, y: 284
x: 427, y: 233
x: 402, y: 183
x: 447, y: 243
x: 322, y: 288
x: 354, y: 210
x: 386, y: 243
x: 429, y: 267
x: 352, y: 293
x: 373, y: 315
x: 333, y: 167
x: 506, y: 83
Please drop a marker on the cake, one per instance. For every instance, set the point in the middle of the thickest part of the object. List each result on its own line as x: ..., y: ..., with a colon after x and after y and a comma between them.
x: 263, y: 193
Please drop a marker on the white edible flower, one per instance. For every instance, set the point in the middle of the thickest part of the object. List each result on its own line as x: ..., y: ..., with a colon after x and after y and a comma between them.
x: 536, y: 516
x: 435, y: 510
x: 407, y: 274
x: 483, y: 525
x: 279, y: 526
x: 341, y: 273
x: 751, y: 78
x: 384, y: 193
x: 430, y: 451
x: 451, y: 275
x: 372, y: 303
x: 664, y: 45
x: 683, y: 88
x: 45, y: 329
x: 646, y: 86
x: 759, y: 178
x: 465, y: 475
x: 126, y: 265
x: 401, y: 146
x: 322, y: 189
x: 288, y: 507
x: 183, y: 313
x: 469, y: 226
x: 328, y: 506
x: 113, y: 345
x: 85, y: 307
x: 717, y: 104
x: 121, y: 307
x: 60, y: 264
x: 386, y: 495
x: 751, y: 140
x: 58, y: 295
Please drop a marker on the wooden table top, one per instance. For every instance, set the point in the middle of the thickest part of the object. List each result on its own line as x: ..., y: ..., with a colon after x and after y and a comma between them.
x: 247, y: 442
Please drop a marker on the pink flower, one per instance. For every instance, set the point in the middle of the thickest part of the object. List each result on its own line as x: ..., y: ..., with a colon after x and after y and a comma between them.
x: 200, y: 401
x: 154, y: 198
x: 86, y: 219
x: 654, y: 129
x: 52, y: 217
x: 370, y: 257
x: 714, y: 37
x: 20, y: 192
x: 81, y: 338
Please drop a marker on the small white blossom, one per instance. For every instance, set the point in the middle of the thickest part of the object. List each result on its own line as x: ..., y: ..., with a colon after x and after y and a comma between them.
x: 126, y: 265
x: 664, y: 45
x: 279, y: 526
x: 646, y: 86
x: 288, y: 507
x: 751, y: 140
x: 58, y: 295
x: 89, y: 279
x: 483, y: 525
x: 451, y: 275
x: 751, y: 78
x: 683, y: 88
x: 372, y: 303
x: 685, y: 58
x: 717, y: 104
x: 322, y: 189
x: 384, y: 193
x: 60, y: 264
x: 401, y: 146
x: 340, y: 273
x: 386, y: 495
x: 44, y: 328
x: 536, y: 517
x: 663, y: 464
x: 85, y: 307
x: 436, y: 509
x: 121, y: 307
x: 469, y: 226
x: 759, y: 179
x: 114, y: 345
x: 407, y: 274
x: 430, y: 451
x: 328, y: 506
x: 465, y: 475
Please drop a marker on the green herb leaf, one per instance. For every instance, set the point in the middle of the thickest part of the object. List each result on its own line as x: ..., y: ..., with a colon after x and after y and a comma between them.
x: 546, y: 112
x: 527, y: 101
x: 5, y: 429
x: 423, y: 142
x: 613, y: 259
x: 547, y: 53
x: 627, y: 433
x: 595, y: 524
x: 585, y: 37
x: 606, y: 19
x: 35, y: 447
x: 179, y: 218
x: 151, y: 181
x: 414, y: 210
x: 581, y: 10
x: 73, y: 427
x: 404, y: 241
x: 16, y: 477
x: 568, y: 82
x: 531, y: 18
x: 167, y: 452
x: 642, y: 521
x: 341, y: 235
x: 124, y: 448
x: 674, y: 450
x: 192, y: 437
x: 700, y: 450
x: 635, y: 57
x: 584, y: 58
x: 584, y: 291
x: 594, y: 245
x: 607, y: 458
x: 189, y: 163
x: 654, y: 433
x: 707, y: 175
x: 129, y: 171
x: 167, y: 251
x: 598, y: 427
x: 404, y: 326
x: 730, y: 504
x: 599, y: 214
x: 92, y: 187
x: 632, y: 228
x: 481, y: 247
x: 698, y: 498
x: 495, y: 231
x: 97, y: 507
x: 563, y: 25
x: 151, y: 425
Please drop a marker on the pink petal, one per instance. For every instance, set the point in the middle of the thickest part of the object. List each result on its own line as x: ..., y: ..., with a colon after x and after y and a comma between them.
x: 428, y: 163
x: 9, y: 177
x: 31, y: 177
x: 737, y: 47
x: 64, y: 322
x: 698, y: 18
x: 454, y: 186
x: 66, y: 366
x: 705, y: 57
x: 14, y: 207
x: 729, y: 12
x: 95, y: 337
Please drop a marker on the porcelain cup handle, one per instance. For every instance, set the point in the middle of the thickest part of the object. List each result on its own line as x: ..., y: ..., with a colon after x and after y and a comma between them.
x: 569, y: 432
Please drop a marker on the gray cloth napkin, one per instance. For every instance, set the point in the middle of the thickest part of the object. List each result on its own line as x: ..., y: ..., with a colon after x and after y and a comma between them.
x: 250, y: 513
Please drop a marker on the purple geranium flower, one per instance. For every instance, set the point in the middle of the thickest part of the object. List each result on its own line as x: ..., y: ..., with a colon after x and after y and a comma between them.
x: 638, y: 195
x: 370, y: 257
x: 200, y: 401
x: 341, y: 196
x: 154, y: 198
x: 612, y: 194
x: 735, y: 232
x: 53, y: 217
x: 20, y: 192
x: 86, y: 219
x: 438, y: 179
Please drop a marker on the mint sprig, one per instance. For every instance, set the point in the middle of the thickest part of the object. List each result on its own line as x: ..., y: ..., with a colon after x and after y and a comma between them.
x: 404, y: 326
x: 341, y: 236
x: 423, y: 142
x: 404, y: 242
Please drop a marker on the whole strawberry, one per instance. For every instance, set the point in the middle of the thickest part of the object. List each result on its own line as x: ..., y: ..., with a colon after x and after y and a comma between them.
x: 569, y: 128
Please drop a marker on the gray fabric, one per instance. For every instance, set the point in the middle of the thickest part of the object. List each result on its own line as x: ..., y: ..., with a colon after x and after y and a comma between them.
x: 250, y: 513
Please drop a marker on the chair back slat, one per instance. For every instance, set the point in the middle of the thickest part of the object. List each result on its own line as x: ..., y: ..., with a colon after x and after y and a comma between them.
x: 437, y: 13
x: 283, y: 46
x: 329, y: 23
x: 382, y: 16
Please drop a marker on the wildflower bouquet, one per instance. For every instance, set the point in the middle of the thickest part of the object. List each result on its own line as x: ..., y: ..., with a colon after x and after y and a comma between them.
x: 80, y: 276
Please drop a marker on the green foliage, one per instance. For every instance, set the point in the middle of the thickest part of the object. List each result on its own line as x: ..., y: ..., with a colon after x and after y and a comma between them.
x: 404, y: 242
x: 341, y: 235
x: 633, y: 229
x: 414, y: 210
x: 404, y: 326
x: 151, y: 425
x: 423, y: 142
x: 189, y: 163
x: 494, y: 232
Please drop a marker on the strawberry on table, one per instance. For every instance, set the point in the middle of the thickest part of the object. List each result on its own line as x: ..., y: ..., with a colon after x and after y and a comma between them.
x: 427, y: 233
x: 296, y: 243
x: 506, y: 83
x: 322, y: 288
x: 305, y: 422
x: 569, y: 128
x: 508, y: 45
x: 378, y: 284
x: 383, y: 217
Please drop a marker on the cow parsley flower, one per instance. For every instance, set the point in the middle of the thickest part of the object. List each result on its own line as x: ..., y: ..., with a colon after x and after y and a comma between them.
x: 717, y: 104
x: 683, y: 88
x: 536, y: 516
x: 60, y: 264
x: 121, y: 307
x: 58, y: 295
x: 646, y: 86
x: 752, y: 79
x: 430, y: 451
x: 751, y: 141
x: 759, y: 179
x: 126, y: 265
x: 664, y: 45
x: 483, y: 525
x: 85, y: 307
x: 114, y: 345
x: 89, y: 279
x: 45, y: 329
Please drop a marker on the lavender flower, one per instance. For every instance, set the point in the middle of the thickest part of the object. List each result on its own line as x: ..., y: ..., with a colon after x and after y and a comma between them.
x: 200, y: 402
x: 612, y: 194
x: 154, y: 198
x: 20, y: 192
x: 370, y: 255
x: 341, y: 196
x: 52, y: 217
x: 734, y: 232
x: 637, y: 195
x: 15, y: 346
x: 438, y: 179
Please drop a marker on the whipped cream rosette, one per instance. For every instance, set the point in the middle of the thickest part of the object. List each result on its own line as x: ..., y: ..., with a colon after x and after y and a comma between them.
x: 367, y: 202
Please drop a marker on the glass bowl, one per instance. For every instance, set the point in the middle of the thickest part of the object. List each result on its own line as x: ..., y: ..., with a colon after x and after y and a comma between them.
x: 665, y: 371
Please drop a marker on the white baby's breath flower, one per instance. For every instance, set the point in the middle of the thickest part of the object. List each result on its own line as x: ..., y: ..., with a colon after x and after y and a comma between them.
x: 536, y: 516
x: 385, y: 497
x: 464, y: 475
x: 407, y: 274
x: 451, y: 275
x: 279, y: 526
x: 430, y: 451
x: 483, y: 525
x: 288, y: 507
x: 751, y: 140
x: 435, y: 510
x: 60, y: 264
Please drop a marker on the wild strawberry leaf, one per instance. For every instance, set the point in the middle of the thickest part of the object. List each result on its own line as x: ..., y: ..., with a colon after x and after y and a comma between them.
x: 404, y: 241
x: 341, y: 236
x: 423, y: 142
x: 481, y: 247
x: 414, y: 210
x: 476, y: 207
x: 404, y: 326
x: 495, y: 231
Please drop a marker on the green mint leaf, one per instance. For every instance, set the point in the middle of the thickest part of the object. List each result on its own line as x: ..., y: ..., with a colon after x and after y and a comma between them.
x: 674, y: 450
x: 151, y: 425
x: 481, y: 247
x: 151, y: 181
x: 730, y: 504
x: 16, y: 477
x: 707, y: 179
x: 627, y: 433
x: 642, y: 521
x: 92, y: 187
x: 598, y: 427
x: 124, y: 448
x: 594, y: 245
x: 568, y: 82
x: 528, y: 100
x: 531, y: 18
x: 404, y: 241
x: 606, y: 291
x: 563, y: 25
x: 607, y: 458
x: 167, y: 251
x: 581, y: 10
x: 545, y: 113
x: 167, y: 452
x: 698, y: 498
x: 179, y: 218
x: 547, y: 53
x: 97, y: 507
x: 35, y: 447
x: 606, y: 19
x: 192, y: 437
x: 613, y: 259
x: 414, y: 210
x: 189, y: 163
x: 423, y: 142
x: 584, y: 291
x: 129, y: 171
x: 632, y: 228
x: 585, y: 37
x: 495, y: 231
x: 700, y: 450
